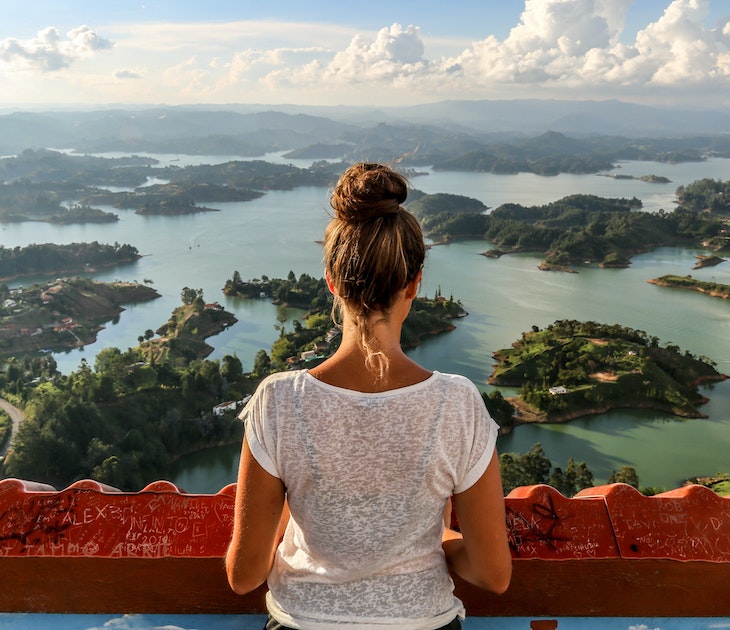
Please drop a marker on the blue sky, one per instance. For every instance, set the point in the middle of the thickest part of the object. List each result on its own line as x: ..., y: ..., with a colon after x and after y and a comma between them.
x: 379, y: 52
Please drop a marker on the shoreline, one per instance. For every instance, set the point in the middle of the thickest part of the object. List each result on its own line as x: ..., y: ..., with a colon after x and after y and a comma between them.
x: 689, y: 287
x: 65, y: 272
x: 526, y: 414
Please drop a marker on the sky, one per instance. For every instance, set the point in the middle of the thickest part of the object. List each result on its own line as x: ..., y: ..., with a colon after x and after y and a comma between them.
x: 374, y: 53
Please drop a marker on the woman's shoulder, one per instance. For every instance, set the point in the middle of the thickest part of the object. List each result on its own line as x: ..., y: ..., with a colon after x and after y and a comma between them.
x: 455, y: 380
x: 281, y: 378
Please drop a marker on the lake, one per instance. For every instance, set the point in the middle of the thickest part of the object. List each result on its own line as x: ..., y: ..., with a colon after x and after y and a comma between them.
x: 504, y: 297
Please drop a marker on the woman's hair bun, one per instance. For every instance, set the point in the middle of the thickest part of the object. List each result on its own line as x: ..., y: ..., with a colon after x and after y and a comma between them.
x: 366, y: 190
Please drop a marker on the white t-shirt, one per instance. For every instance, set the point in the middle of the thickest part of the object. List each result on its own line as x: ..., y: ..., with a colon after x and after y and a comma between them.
x: 367, y: 477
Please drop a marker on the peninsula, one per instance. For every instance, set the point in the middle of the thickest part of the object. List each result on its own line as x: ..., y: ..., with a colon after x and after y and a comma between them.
x: 715, y: 289
x: 63, y: 313
x: 49, y: 258
x: 572, y: 369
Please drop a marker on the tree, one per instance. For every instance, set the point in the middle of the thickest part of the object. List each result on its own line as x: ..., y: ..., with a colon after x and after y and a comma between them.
x: 261, y: 364
x: 573, y: 480
x: 511, y: 472
x: 500, y: 409
x: 625, y: 474
x: 187, y: 295
x: 536, y: 465
x: 231, y: 368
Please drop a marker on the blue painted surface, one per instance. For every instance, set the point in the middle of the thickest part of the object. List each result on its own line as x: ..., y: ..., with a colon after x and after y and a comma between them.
x: 23, y: 621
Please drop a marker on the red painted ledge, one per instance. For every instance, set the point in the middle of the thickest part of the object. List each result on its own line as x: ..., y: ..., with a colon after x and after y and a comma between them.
x: 609, y: 551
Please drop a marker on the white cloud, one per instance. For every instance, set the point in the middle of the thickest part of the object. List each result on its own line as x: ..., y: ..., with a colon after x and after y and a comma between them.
x: 49, y: 51
x: 125, y: 73
x: 580, y: 45
x: 557, y: 44
x: 575, y: 43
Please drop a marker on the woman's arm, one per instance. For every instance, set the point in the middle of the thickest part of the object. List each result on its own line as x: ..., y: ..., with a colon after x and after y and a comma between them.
x: 480, y: 552
x: 259, y: 516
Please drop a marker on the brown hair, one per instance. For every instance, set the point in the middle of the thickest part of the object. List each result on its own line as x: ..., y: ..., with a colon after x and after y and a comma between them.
x: 373, y: 249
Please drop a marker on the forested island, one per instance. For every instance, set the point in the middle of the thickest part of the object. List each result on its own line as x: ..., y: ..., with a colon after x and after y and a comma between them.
x: 172, y: 199
x: 572, y: 369
x: 573, y: 230
x: 316, y: 337
x: 182, y: 338
x: 715, y: 289
x: 50, y: 258
x: 52, y: 186
x: 63, y: 313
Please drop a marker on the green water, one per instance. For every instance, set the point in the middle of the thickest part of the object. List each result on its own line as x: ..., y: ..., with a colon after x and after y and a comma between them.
x: 278, y: 233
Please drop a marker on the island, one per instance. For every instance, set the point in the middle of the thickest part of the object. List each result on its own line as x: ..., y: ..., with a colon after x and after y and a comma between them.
x: 63, y: 313
x: 172, y: 199
x: 314, y: 339
x: 182, y: 338
x: 575, y: 230
x: 715, y: 289
x: 650, y: 179
x: 49, y: 258
x: 707, y: 261
x: 572, y: 369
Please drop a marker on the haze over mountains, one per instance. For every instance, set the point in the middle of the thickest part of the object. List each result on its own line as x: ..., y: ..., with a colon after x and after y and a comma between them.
x: 253, y: 130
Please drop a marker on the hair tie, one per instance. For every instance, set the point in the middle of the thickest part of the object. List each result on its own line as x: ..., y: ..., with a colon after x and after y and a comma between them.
x: 385, y: 207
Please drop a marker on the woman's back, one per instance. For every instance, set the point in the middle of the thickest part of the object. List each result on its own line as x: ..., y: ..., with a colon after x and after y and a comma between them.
x: 367, y: 477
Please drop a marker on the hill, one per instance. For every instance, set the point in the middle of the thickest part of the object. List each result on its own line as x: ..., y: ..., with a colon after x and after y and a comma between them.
x: 572, y: 369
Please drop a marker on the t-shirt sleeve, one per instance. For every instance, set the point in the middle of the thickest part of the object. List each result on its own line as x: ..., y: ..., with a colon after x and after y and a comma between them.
x: 259, y: 432
x: 483, y: 443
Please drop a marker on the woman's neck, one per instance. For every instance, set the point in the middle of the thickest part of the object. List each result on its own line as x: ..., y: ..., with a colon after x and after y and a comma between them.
x: 348, y: 368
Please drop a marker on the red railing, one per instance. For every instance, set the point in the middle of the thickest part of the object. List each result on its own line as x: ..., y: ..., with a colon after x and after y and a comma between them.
x: 609, y: 551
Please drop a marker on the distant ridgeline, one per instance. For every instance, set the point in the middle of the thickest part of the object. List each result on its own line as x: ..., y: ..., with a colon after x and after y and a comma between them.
x: 571, y: 369
x: 576, y: 228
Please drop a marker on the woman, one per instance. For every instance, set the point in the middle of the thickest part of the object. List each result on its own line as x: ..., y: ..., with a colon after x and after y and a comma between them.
x: 366, y: 449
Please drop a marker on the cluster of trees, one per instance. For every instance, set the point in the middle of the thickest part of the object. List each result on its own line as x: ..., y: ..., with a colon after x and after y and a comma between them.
x: 706, y: 195
x: 427, y: 316
x: 601, y: 367
x: 304, y: 291
x: 122, y: 422
x: 42, y: 259
x: 573, y: 229
x: 534, y: 467
x: 501, y: 410
x: 6, y: 425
